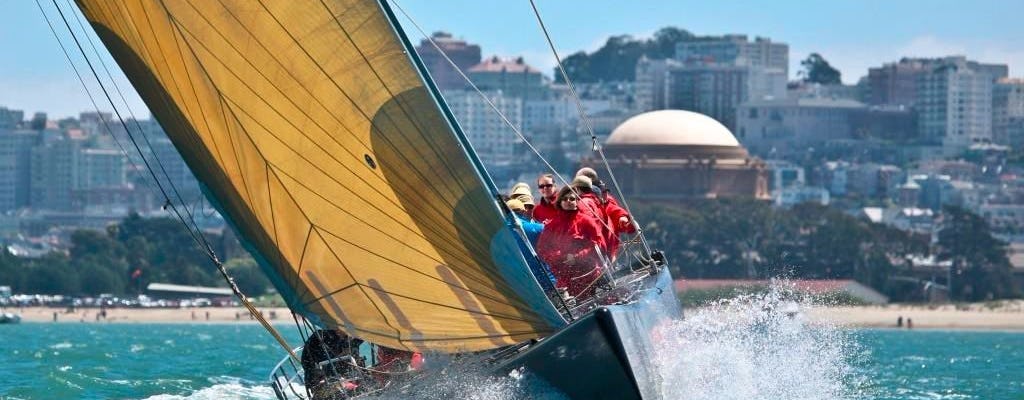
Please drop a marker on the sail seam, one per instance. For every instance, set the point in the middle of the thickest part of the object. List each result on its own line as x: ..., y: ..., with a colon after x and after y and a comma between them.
x: 383, y: 84
x: 302, y: 259
x: 483, y: 295
x: 450, y: 238
x: 387, y: 321
x: 367, y: 117
x: 328, y: 201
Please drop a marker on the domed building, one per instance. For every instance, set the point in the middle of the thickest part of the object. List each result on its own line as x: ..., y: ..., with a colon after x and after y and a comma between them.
x: 676, y: 154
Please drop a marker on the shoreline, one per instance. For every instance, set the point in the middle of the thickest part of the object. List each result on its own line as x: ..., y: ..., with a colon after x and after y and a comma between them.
x: 974, y: 317
x: 971, y: 317
x: 191, y: 315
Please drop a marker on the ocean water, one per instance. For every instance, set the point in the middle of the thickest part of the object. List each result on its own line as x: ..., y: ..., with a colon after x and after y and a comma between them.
x: 741, y: 349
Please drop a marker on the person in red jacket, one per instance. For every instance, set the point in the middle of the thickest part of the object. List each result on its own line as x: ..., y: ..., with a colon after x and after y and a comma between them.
x: 617, y: 218
x: 546, y: 209
x: 568, y: 244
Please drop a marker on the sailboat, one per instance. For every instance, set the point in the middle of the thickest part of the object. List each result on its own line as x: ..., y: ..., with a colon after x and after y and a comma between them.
x: 316, y: 131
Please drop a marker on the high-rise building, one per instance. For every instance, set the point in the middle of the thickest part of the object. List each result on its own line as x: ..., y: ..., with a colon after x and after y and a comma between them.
x: 1007, y: 108
x: 15, y: 160
x: 53, y: 172
x: 493, y: 140
x: 716, y: 90
x: 101, y: 168
x: 463, y: 54
x: 513, y: 77
x: 791, y: 125
x: 896, y: 84
x: 735, y: 50
x: 10, y: 119
x: 954, y: 103
x: 651, y: 83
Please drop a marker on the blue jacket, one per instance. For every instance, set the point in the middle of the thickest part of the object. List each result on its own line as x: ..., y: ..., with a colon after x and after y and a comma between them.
x: 539, y: 268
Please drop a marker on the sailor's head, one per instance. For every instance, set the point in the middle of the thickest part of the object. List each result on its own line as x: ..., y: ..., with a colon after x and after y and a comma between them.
x: 516, y: 206
x: 546, y: 186
x: 582, y: 184
x: 587, y: 172
x: 521, y: 191
x: 568, y: 199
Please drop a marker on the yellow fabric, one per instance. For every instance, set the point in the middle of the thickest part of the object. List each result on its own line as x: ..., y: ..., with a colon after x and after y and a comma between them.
x: 312, y: 129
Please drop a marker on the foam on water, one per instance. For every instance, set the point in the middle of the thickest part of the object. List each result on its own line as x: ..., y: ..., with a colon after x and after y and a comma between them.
x: 756, y: 347
x: 236, y: 391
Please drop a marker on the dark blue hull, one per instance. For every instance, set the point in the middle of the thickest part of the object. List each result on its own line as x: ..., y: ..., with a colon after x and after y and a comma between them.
x: 608, y: 353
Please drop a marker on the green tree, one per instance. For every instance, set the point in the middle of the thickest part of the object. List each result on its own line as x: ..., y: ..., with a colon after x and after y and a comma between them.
x: 980, y: 269
x: 665, y: 40
x: 616, y: 59
x: 51, y: 274
x: 96, y: 278
x: 817, y: 70
x: 248, y: 276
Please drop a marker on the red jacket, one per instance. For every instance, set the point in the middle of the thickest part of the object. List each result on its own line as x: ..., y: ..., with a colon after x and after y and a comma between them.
x: 544, y: 211
x: 614, y: 213
x: 576, y: 233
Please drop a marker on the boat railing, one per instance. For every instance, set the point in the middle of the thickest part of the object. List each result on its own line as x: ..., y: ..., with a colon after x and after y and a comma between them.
x: 287, y: 378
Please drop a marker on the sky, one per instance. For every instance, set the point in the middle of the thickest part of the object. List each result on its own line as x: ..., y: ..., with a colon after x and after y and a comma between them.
x: 852, y: 35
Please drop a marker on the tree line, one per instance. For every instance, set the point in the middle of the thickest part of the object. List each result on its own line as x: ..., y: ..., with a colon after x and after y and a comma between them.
x: 616, y: 59
x: 749, y: 239
x: 720, y: 239
x: 125, y: 258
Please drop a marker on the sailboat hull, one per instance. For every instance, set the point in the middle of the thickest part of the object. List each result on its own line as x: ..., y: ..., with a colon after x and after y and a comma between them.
x: 608, y: 353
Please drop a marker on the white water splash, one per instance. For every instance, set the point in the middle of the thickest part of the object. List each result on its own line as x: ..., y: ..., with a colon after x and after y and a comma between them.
x: 233, y: 391
x: 755, y: 347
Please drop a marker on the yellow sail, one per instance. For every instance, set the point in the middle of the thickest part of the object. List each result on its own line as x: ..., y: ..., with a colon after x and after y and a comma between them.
x: 311, y: 127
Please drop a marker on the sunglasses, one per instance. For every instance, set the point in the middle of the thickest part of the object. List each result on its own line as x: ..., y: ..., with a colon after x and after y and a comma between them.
x: 546, y: 185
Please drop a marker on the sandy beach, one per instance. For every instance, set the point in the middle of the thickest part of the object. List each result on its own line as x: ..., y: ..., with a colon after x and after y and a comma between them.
x: 1007, y: 315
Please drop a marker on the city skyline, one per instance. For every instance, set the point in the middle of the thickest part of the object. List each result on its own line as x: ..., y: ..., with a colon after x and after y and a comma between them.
x: 37, y: 78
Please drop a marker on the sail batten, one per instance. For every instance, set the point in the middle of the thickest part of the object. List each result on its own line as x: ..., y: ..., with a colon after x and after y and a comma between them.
x: 314, y: 132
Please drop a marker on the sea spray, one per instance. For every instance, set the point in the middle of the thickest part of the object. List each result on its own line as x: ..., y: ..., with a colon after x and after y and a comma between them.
x: 755, y: 346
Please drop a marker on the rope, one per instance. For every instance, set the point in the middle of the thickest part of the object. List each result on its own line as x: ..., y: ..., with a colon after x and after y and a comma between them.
x: 197, y: 236
x: 494, y: 108
x: 135, y: 119
x: 586, y: 121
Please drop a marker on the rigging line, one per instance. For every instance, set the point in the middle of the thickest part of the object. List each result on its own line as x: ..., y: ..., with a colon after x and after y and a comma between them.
x: 490, y: 103
x: 135, y: 119
x: 88, y: 93
x: 201, y: 240
x: 586, y: 122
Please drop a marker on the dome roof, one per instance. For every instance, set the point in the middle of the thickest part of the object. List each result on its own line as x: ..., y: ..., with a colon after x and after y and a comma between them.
x: 674, y: 128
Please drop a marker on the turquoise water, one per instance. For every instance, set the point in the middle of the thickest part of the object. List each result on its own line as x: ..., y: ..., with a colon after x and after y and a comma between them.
x: 174, y: 361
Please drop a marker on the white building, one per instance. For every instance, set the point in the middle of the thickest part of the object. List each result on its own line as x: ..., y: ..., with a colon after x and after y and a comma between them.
x: 794, y: 124
x: 15, y: 161
x: 735, y: 50
x: 716, y: 89
x: 652, y: 84
x: 101, y: 168
x: 792, y: 196
x: 955, y: 105
x: 494, y: 141
x: 1008, y: 112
